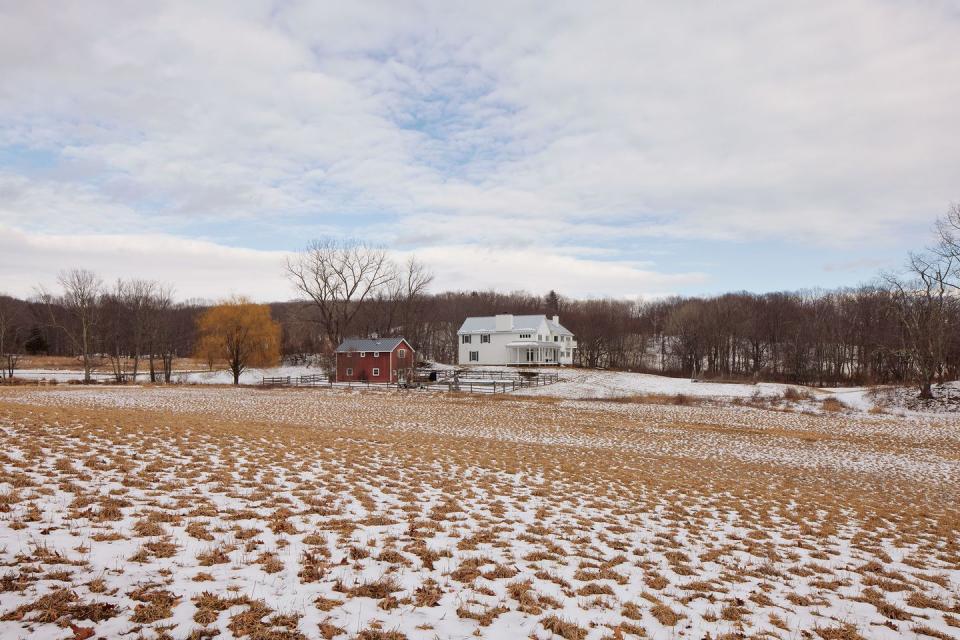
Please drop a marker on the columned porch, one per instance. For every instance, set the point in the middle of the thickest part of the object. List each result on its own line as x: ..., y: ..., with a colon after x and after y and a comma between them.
x: 533, y: 353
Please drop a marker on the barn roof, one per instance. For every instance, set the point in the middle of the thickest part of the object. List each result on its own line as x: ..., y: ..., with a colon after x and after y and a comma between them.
x: 369, y: 344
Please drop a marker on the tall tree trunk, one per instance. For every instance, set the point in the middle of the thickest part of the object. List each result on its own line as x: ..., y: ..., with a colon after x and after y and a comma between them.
x: 117, y: 364
x: 167, y: 367
x: 86, y: 357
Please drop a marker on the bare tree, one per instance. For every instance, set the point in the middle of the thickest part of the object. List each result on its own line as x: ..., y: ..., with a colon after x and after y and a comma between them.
x: 158, y: 330
x: 114, y: 313
x: 406, y: 296
x: 338, y: 277
x: 81, y: 301
x: 12, y: 335
x: 141, y: 298
x: 948, y: 242
x: 924, y: 307
x: 687, y: 326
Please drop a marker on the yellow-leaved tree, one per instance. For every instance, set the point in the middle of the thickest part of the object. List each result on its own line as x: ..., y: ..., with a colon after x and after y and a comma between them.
x: 241, y: 332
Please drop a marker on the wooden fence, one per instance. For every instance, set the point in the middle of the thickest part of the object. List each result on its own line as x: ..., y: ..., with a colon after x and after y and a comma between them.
x: 489, y: 382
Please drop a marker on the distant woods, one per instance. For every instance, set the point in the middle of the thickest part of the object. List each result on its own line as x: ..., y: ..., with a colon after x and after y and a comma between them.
x: 132, y: 325
x: 902, y: 328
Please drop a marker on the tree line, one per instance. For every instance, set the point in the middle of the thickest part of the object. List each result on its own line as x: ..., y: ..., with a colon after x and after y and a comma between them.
x: 902, y: 328
x: 134, y: 326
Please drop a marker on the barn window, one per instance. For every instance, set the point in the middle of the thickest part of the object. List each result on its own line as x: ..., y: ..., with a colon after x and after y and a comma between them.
x: 363, y: 354
x: 466, y: 339
x: 401, y: 353
x: 376, y: 354
x: 376, y: 371
x: 484, y: 338
x: 349, y: 371
x: 474, y: 356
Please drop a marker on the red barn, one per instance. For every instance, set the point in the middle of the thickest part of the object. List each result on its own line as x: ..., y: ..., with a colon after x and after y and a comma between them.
x: 375, y: 360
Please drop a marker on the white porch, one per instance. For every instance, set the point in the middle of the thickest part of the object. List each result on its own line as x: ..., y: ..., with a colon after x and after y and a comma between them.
x: 531, y: 352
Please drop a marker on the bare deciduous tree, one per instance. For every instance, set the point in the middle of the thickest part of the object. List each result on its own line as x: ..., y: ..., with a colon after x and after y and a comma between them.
x: 925, y: 309
x: 158, y: 331
x: 338, y: 277
x: 114, y: 313
x: 81, y: 300
x: 125, y: 315
x: 12, y: 335
x: 406, y: 297
x: 948, y: 242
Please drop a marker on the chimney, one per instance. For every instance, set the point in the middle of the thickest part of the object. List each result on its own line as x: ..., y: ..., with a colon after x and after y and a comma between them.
x: 556, y: 319
x: 503, y: 322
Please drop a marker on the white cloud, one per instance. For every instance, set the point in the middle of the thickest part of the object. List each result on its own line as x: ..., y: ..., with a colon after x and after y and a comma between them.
x: 195, y: 268
x: 517, y: 125
x: 203, y: 269
x: 69, y: 207
x: 541, y: 269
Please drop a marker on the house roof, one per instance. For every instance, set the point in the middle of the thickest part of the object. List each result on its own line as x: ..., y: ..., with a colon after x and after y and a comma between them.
x: 520, y: 323
x: 556, y: 327
x: 369, y: 344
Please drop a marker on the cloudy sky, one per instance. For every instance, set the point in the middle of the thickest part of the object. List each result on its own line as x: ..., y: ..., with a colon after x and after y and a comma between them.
x: 625, y: 149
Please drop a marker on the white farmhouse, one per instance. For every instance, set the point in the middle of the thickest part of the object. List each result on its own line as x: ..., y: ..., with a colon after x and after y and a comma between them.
x: 519, y: 340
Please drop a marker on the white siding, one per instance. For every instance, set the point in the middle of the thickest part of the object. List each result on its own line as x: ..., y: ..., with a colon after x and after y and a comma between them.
x: 493, y: 352
x: 496, y: 351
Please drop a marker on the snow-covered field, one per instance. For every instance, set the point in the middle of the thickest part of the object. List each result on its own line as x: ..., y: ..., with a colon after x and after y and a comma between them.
x: 219, y: 376
x: 250, y: 376
x: 201, y: 512
x: 591, y: 384
x: 587, y: 383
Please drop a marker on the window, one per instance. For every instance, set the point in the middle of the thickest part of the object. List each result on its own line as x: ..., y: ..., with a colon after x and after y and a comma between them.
x: 376, y: 354
x: 465, y: 339
x: 525, y: 336
x: 402, y: 353
x: 539, y: 337
x: 556, y: 338
x: 474, y: 356
x: 485, y: 338
x: 376, y: 371
x: 349, y: 371
x: 363, y: 354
